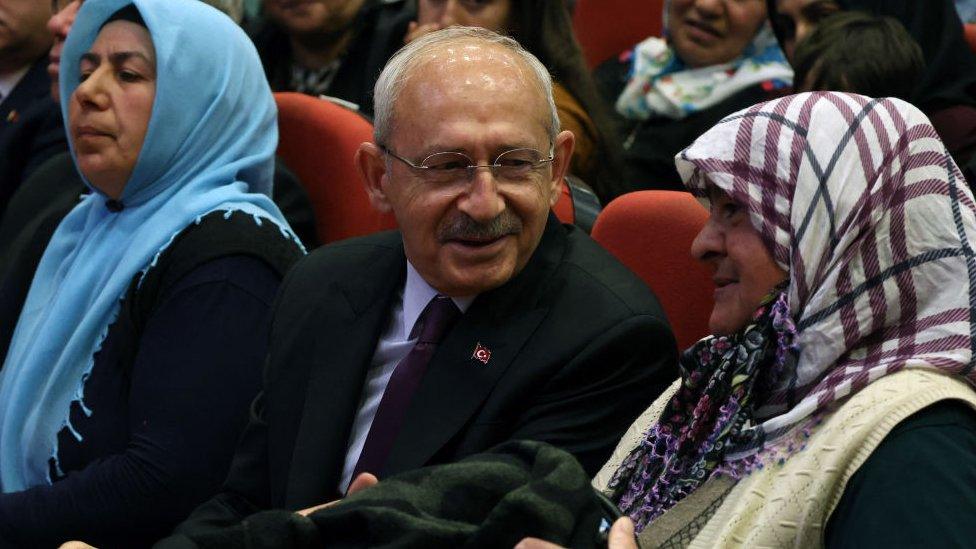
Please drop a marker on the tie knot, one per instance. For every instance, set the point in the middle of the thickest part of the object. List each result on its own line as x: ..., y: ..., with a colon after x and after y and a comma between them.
x: 437, y: 319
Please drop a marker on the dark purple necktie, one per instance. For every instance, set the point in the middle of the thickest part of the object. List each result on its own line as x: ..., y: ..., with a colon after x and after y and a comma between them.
x: 436, y: 319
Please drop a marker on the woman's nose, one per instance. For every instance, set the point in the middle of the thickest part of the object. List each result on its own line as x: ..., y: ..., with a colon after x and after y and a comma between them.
x: 91, y: 91
x: 709, y: 244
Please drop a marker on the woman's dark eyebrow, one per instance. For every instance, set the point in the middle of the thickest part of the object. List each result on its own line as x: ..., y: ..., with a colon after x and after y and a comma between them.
x: 116, y: 58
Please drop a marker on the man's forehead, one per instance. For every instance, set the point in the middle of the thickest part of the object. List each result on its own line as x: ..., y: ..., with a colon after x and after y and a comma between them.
x: 473, y: 64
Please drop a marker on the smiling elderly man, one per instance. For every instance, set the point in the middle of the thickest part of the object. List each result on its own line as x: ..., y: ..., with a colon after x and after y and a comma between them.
x: 482, y: 320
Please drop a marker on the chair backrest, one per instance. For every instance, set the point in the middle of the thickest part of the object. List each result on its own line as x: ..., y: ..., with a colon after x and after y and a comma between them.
x: 605, y: 28
x: 651, y: 233
x: 969, y: 31
x: 318, y: 140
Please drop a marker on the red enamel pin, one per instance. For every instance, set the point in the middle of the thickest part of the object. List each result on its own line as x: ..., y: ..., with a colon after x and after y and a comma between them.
x: 481, y: 353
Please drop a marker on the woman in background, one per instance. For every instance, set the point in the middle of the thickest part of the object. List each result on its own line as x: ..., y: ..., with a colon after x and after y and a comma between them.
x: 716, y: 57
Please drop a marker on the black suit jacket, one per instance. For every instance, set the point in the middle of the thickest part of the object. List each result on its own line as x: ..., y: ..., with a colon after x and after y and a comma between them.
x: 579, y: 347
x: 31, y: 130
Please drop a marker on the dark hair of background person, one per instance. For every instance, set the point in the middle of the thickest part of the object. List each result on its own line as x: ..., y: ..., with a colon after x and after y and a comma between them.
x: 950, y: 75
x: 544, y: 27
x: 858, y: 52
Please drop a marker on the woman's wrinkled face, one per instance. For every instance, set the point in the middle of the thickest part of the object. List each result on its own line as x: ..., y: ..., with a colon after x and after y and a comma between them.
x: 794, y: 20
x: 745, y: 271
x: 712, y: 32
x: 109, y: 111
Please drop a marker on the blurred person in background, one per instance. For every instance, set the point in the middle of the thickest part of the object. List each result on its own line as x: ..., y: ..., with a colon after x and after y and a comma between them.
x: 330, y: 47
x: 946, y: 91
x: 31, y: 130
x: 544, y: 27
x: 716, y: 57
x: 860, y: 53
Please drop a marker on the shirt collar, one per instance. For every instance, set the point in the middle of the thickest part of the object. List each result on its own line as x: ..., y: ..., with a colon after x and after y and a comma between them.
x: 9, y: 81
x: 417, y: 293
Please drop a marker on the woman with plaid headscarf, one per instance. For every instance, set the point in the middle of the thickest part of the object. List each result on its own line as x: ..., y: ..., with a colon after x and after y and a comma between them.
x: 835, y: 404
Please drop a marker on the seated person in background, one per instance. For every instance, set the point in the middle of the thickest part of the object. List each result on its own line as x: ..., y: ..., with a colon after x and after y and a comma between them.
x: 946, y: 92
x: 544, y: 28
x: 140, y: 345
x: 330, y: 47
x: 55, y: 188
x: 30, y: 122
x: 860, y: 53
x: 835, y: 404
x: 481, y: 320
x: 716, y: 57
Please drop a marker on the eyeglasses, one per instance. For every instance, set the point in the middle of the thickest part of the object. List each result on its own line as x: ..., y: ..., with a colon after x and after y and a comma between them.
x: 514, y: 166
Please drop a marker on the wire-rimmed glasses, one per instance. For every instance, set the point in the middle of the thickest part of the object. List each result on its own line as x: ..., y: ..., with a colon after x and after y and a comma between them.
x: 512, y: 166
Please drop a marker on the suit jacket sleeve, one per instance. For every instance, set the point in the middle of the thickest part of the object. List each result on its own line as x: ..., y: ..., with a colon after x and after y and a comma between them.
x: 589, y: 404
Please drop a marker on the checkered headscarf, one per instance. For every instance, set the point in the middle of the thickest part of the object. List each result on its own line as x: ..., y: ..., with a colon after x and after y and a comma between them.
x: 860, y: 201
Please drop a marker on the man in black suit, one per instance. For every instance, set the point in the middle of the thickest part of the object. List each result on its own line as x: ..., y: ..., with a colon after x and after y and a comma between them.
x: 551, y: 339
x: 30, y: 122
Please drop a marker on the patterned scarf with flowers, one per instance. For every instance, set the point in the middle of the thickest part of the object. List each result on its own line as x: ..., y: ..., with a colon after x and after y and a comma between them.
x: 724, y: 380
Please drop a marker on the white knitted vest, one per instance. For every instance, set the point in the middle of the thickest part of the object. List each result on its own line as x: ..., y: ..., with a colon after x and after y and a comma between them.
x: 788, y: 505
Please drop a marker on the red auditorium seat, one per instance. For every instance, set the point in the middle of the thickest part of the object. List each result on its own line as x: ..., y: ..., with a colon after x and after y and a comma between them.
x: 970, y: 33
x: 605, y: 28
x: 651, y: 232
x: 318, y: 140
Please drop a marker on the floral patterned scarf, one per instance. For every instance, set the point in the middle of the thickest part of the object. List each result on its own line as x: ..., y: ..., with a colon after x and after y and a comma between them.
x: 722, y: 378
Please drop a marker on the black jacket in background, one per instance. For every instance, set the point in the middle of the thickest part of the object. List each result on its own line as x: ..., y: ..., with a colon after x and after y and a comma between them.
x: 31, y: 130
x: 379, y: 31
x: 579, y: 346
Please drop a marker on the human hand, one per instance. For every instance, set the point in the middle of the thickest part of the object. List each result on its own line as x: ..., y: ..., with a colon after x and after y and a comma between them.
x: 621, y: 537
x: 362, y: 482
x: 416, y: 30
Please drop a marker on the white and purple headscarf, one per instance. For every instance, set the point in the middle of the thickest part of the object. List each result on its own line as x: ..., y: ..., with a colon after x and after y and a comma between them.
x: 858, y: 199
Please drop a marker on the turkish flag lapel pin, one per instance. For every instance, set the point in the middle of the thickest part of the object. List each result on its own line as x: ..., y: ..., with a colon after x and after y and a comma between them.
x: 481, y: 353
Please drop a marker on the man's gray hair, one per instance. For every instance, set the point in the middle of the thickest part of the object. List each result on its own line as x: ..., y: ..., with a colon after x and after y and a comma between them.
x: 398, y: 68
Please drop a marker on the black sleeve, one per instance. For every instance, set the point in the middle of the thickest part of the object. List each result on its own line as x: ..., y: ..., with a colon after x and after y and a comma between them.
x: 588, y: 406
x: 197, y: 369
x: 917, y: 489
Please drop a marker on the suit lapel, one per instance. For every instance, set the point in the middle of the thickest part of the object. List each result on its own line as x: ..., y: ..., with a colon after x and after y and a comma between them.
x: 456, y: 383
x: 34, y: 86
x: 345, y: 328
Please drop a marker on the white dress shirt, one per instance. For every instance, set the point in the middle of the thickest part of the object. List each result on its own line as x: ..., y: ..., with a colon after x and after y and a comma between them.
x: 392, y: 347
x: 10, y: 80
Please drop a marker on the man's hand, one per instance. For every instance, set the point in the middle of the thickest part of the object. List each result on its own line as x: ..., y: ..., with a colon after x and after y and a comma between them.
x: 621, y: 537
x: 362, y: 482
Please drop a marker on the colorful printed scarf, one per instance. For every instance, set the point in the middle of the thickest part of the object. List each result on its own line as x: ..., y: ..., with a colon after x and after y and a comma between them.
x: 661, y: 85
x: 858, y: 199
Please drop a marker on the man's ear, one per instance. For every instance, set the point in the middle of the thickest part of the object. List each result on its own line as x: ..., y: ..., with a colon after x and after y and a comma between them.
x: 372, y: 169
x: 562, y: 154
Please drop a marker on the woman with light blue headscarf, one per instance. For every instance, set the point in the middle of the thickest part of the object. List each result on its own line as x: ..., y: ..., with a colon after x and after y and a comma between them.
x: 139, y: 347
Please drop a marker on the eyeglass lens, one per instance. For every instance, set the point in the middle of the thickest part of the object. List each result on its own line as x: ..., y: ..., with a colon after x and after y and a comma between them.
x: 513, y: 165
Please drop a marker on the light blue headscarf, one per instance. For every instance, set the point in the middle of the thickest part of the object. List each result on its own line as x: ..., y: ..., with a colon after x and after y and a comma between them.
x: 209, y: 147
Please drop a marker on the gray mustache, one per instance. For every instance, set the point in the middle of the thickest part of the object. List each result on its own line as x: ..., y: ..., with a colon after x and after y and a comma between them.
x: 465, y: 228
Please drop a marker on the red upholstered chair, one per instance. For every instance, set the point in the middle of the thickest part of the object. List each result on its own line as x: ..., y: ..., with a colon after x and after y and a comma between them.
x: 318, y: 140
x: 651, y: 232
x: 605, y: 28
x: 969, y: 29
